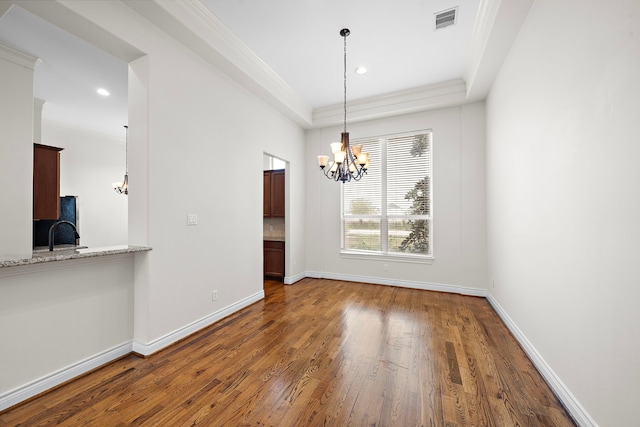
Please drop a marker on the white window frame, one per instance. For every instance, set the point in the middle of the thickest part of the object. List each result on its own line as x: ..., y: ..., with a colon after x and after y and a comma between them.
x: 384, y: 217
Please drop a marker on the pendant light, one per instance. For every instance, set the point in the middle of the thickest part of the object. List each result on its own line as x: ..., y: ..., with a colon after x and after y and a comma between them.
x: 123, y: 188
x: 349, y: 162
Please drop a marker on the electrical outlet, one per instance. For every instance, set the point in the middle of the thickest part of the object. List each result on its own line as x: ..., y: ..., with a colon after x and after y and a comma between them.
x: 192, y: 219
x: 214, y: 295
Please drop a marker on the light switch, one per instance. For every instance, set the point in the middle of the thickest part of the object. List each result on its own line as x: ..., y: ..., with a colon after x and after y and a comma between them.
x: 192, y: 219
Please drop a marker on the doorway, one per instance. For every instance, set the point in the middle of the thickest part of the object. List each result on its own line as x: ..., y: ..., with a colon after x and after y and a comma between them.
x: 274, y: 220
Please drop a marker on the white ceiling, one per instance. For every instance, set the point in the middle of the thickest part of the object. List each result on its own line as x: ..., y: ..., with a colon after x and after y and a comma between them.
x: 395, y: 40
x: 70, y: 73
x: 298, y: 39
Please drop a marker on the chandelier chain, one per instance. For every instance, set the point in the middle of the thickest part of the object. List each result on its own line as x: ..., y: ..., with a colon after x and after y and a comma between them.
x: 345, y: 82
x: 123, y: 188
x: 126, y: 149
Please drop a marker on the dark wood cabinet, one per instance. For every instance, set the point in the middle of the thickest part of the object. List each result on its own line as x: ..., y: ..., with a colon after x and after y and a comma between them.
x: 46, y: 182
x: 277, y: 194
x: 273, y: 190
x: 266, y: 191
x: 274, y: 259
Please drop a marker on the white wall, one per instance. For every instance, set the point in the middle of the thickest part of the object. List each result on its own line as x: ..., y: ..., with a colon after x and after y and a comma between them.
x: 196, y: 149
x: 55, y: 315
x: 16, y: 152
x: 188, y: 174
x: 563, y: 205
x: 459, y: 245
x: 89, y: 164
x: 196, y: 145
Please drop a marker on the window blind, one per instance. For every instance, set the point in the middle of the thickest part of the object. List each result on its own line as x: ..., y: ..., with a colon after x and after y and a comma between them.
x: 363, y: 197
x: 389, y: 210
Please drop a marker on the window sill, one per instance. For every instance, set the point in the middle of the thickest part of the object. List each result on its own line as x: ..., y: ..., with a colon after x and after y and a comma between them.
x: 414, y: 259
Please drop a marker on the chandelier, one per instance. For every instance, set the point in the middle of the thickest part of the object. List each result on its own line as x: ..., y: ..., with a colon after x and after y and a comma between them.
x: 349, y: 162
x: 123, y: 188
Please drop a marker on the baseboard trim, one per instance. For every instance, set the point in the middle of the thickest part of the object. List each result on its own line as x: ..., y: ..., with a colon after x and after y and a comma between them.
x: 290, y: 280
x: 146, y: 349
x: 47, y: 382
x: 579, y: 414
x: 426, y: 286
x: 29, y: 390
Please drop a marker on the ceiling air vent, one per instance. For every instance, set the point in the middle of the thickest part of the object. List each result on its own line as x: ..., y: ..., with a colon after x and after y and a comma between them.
x: 446, y: 18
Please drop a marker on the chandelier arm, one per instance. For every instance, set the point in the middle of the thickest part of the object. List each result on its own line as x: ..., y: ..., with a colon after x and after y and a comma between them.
x: 339, y: 172
x: 328, y: 173
x: 347, y: 172
x: 334, y: 175
x: 353, y: 158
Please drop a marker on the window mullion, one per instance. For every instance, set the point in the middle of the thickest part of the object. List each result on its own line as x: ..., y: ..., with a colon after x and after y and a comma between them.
x: 384, y: 222
x: 342, y: 219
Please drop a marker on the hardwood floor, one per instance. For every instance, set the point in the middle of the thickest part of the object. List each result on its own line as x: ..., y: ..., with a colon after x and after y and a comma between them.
x: 320, y: 352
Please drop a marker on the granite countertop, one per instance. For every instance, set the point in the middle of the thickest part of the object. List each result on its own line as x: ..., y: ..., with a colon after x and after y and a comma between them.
x: 40, y: 256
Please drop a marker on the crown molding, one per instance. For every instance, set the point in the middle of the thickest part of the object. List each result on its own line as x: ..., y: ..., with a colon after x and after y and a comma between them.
x: 4, y: 7
x: 195, y: 26
x: 18, y: 57
x: 404, y: 102
x: 496, y: 27
x: 38, y: 103
x: 485, y: 19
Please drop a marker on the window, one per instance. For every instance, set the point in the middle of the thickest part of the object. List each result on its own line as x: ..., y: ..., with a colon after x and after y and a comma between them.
x: 388, y: 212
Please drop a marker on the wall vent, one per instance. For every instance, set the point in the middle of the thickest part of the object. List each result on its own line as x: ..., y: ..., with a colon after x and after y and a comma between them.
x: 446, y: 18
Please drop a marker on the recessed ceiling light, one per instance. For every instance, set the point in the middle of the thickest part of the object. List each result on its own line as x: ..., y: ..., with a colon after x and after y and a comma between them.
x: 361, y: 70
x: 103, y: 92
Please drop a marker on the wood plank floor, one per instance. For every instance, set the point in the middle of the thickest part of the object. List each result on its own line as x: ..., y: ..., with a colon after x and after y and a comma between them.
x: 320, y: 352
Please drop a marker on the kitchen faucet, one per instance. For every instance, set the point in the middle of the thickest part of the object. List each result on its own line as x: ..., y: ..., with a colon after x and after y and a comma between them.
x: 53, y: 228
